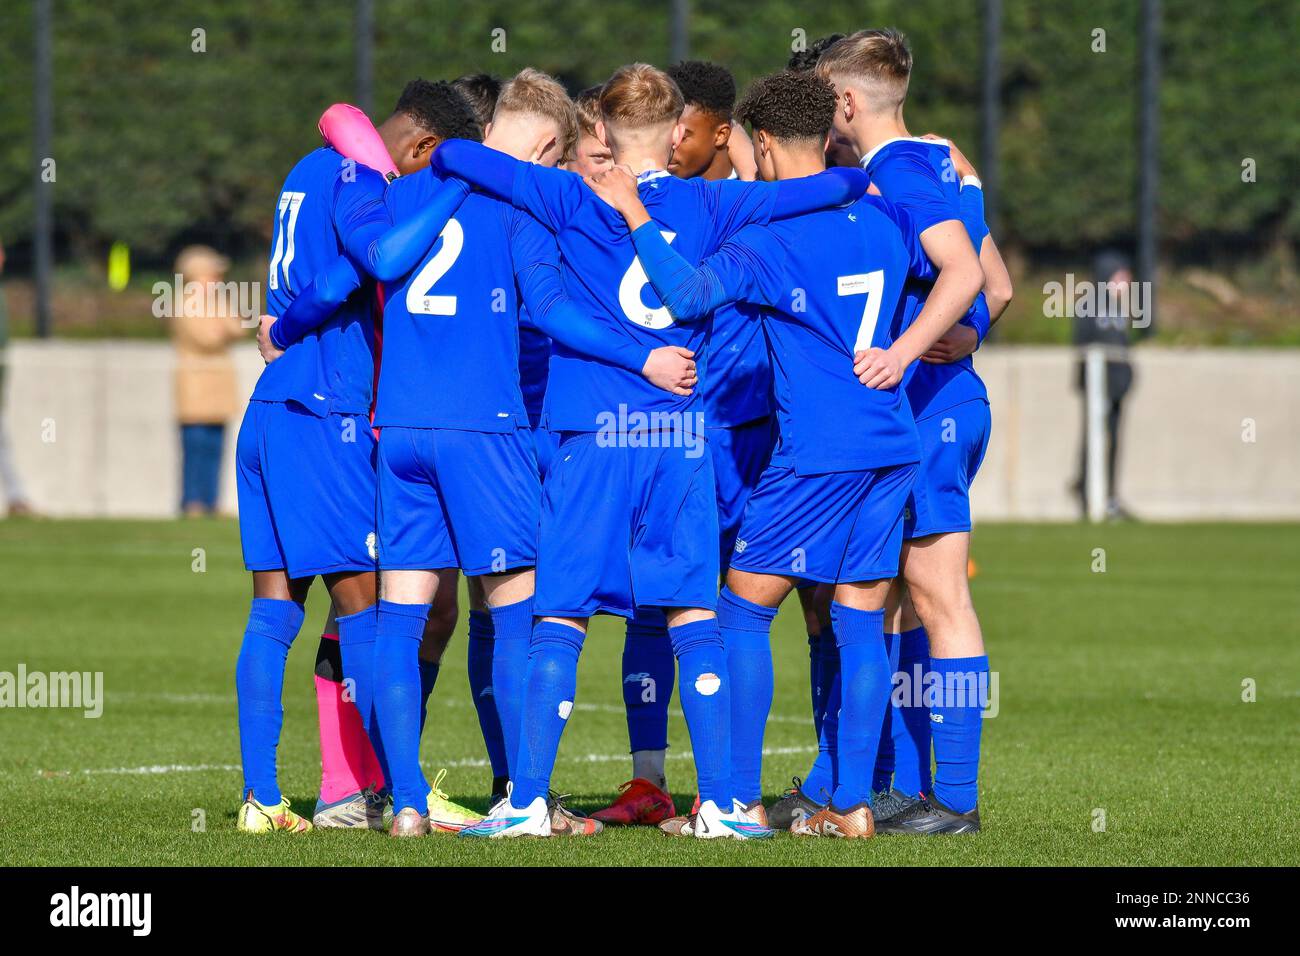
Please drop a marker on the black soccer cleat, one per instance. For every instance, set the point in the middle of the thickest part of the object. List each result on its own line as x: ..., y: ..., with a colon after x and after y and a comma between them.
x: 929, y: 817
x: 889, y: 803
x: 794, y: 805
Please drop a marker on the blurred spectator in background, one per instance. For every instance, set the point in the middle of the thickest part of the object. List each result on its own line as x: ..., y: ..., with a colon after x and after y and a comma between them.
x: 205, y: 377
x: 1110, y: 328
x: 10, y: 484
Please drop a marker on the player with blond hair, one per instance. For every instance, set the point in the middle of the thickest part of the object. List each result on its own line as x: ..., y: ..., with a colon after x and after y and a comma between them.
x: 870, y: 72
x: 628, y: 516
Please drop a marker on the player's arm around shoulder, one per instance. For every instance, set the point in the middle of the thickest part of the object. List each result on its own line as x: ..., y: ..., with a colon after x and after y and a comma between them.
x: 690, y: 292
x: 357, y: 199
x: 997, y: 279
x: 552, y: 196
x: 998, y: 289
x: 959, y: 280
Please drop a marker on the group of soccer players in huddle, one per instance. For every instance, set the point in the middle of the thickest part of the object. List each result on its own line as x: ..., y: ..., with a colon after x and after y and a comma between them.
x: 599, y: 356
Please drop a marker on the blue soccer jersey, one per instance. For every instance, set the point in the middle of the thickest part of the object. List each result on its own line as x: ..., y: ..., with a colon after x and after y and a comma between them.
x: 829, y: 507
x: 916, y: 174
x: 608, y: 282
x: 739, y: 388
x: 451, y: 326
x: 305, y: 453
x: 824, y: 285
x: 605, y: 280
x: 534, y: 366
x: 325, y: 202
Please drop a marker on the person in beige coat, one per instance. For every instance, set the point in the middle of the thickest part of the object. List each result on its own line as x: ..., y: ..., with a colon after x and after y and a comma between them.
x: 202, y: 330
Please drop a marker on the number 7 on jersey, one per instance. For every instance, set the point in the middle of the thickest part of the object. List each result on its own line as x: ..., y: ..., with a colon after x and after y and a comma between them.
x: 872, y: 285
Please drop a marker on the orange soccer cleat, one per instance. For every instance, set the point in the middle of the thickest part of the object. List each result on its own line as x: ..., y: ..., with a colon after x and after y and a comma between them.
x: 853, y: 824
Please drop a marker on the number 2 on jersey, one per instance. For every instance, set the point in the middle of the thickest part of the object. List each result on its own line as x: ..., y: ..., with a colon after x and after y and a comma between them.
x: 418, y: 300
x: 872, y: 285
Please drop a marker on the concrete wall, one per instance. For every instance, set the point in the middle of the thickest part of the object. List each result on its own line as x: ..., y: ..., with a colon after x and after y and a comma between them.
x: 115, y: 448
x: 1184, y: 452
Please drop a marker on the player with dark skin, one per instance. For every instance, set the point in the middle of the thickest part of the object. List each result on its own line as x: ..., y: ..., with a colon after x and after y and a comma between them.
x: 703, y: 150
x: 410, y: 146
x: 706, y: 121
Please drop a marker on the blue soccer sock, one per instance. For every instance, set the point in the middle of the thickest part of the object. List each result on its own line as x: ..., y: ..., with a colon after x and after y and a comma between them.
x: 820, y: 782
x: 814, y: 680
x: 357, y: 648
x: 956, y: 724
x: 428, y: 678
x: 259, y: 682
x: 705, y: 691
x: 550, y: 686
x: 910, y: 721
x: 397, y: 699
x: 864, y: 689
x: 884, y: 775
x: 746, y: 636
x: 482, y: 647
x: 512, y: 625
x: 648, y: 671
x: 828, y: 667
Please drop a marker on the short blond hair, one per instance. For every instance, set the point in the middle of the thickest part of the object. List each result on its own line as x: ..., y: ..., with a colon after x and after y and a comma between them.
x: 638, y: 96
x: 535, y: 93
x: 877, y: 61
x: 588, y: 107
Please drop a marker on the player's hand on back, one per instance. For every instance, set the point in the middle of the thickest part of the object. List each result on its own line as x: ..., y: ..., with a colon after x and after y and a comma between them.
x: 264, y: 344
x: 953, y: 346
x: 671, y: 368
x: 878, y: 368
x: 617, y: 187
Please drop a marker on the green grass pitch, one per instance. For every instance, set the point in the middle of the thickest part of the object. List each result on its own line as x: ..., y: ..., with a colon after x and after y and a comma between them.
x: 1120, y: 693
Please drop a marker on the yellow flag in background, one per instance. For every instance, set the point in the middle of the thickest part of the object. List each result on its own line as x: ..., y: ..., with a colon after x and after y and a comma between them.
x: 119, y: 266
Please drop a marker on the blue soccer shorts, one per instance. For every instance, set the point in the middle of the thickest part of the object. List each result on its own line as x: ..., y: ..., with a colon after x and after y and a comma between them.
x: 306, y: 490
x: 625, y: 527
x: 740, y: 453
x: 457, y: 499
x: 839, y: 527
x: 545, y: 442
x: 953, y: 443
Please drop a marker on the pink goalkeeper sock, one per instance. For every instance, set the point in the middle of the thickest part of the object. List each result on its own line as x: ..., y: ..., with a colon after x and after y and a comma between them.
x: 347, y: 760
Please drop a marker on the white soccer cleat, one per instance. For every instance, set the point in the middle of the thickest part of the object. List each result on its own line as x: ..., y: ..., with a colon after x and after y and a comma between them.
x: 506, y: 820
x: 710, y: 823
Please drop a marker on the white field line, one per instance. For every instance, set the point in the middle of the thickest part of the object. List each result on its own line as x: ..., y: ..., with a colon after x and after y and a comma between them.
x: 466, y: 763
x: 444, y: 702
